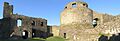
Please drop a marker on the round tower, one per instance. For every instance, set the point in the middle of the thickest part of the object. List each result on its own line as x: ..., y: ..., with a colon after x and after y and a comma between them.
x: 76, y: 12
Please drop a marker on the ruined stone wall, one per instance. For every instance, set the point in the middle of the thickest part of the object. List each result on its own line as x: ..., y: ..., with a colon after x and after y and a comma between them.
x: 55, y: 30
x: 9, y: 23
x: 78, y: 32
x: 74, y: 20
x: 49, y: 31
x: 27, y: 24
x: 6, y: 27
x: 108, y: 26
x: 102, y: 18
x: 99, y: 16
x: 78, y: 14
x: 7, y: 10
x: 107, y: 18
x: 75, y: 23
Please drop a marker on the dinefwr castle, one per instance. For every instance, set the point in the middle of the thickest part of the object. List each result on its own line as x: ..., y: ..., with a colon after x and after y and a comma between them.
x: 77, y: 23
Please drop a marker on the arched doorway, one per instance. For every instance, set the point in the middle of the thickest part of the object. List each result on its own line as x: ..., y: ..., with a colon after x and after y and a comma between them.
x: 25, y: 34
x: 64, y: 35
x: 95, y: 22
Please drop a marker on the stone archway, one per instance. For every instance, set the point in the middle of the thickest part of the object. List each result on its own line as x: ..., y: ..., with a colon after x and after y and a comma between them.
x: 95, y: 22
x: 25, y: 34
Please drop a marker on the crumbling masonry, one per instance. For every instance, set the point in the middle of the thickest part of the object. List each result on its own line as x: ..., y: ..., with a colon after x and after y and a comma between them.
x: 30, y: 27
x: 80, y: 23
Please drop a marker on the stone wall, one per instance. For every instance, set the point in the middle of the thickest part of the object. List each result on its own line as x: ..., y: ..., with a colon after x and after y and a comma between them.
x: 8, y: 24
x: 78, y: 32
x: 76, y: 24
x: 55, y: 30
x: 7, y: 10
x: 78, y: 14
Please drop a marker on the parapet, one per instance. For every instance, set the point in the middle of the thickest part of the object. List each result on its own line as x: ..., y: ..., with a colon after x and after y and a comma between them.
x: 76, y: 4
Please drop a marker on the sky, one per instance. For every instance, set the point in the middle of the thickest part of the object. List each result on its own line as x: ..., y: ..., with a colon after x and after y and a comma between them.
x: 51, y: 9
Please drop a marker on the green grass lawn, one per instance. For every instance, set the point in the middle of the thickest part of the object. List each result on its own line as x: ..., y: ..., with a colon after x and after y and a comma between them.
x: 55, y: 38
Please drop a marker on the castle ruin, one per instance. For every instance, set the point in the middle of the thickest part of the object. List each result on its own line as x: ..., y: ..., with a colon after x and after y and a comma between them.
x: 28, y: 27
x: 80, y: 23
x: 77, y: 23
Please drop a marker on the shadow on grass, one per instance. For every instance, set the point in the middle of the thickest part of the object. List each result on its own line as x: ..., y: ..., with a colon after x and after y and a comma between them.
x: 36, y: 39
x: 30, y: 39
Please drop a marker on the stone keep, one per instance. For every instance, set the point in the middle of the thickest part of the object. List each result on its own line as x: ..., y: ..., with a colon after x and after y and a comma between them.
x: 76, y: 12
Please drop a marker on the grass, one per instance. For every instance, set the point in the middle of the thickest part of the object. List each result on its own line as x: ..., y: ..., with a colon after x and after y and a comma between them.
x: 55, y: 38
x: 104, y: 34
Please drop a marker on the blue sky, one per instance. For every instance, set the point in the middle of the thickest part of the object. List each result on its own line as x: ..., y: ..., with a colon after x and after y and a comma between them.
x: 51, y: 9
